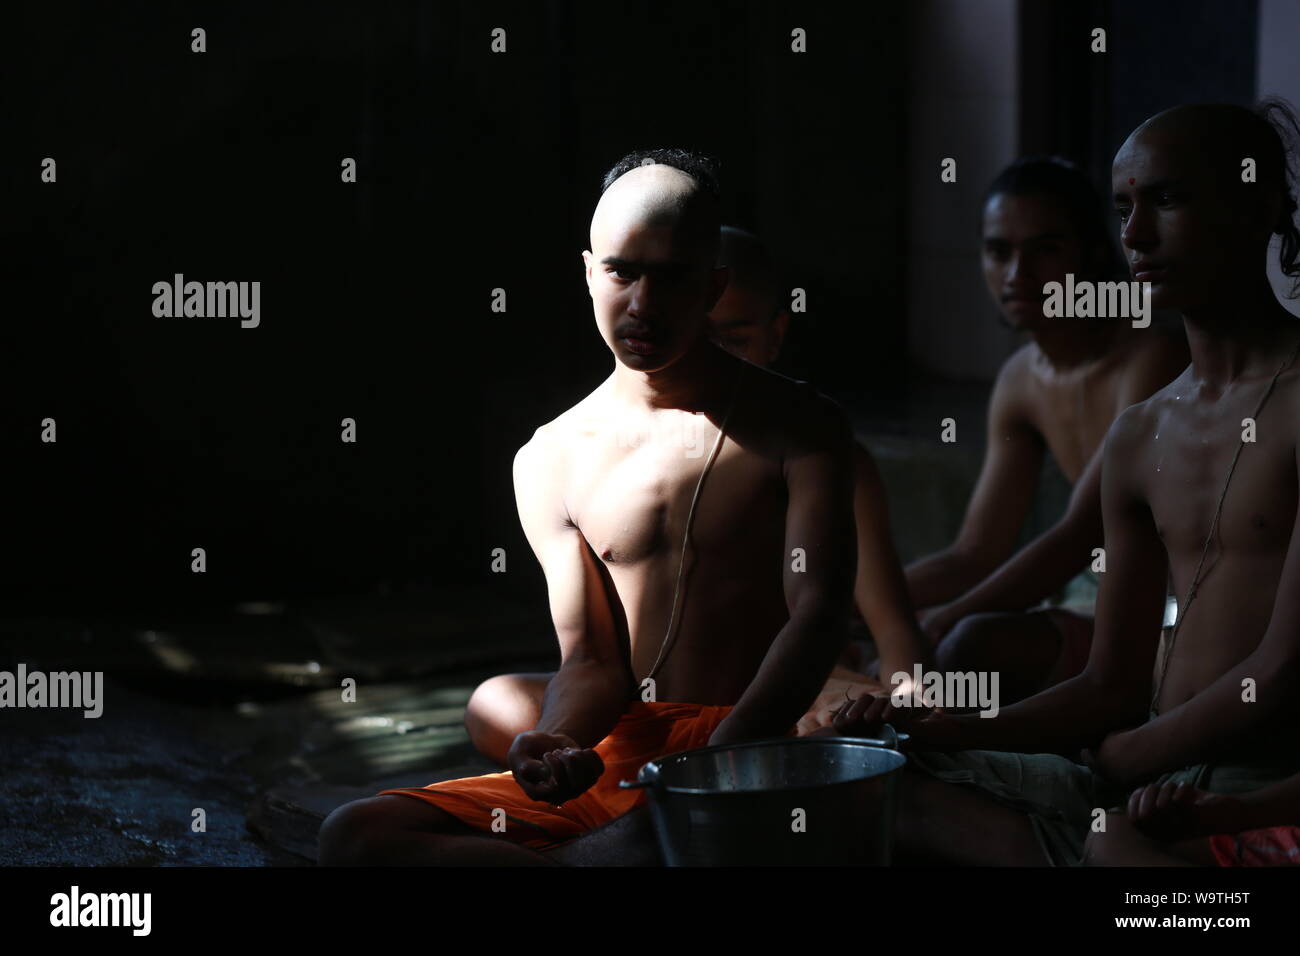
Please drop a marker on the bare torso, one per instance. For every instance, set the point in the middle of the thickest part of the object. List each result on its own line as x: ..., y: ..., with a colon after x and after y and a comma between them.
x: 1189, y: 436
x: 1072, y: 409
x: 628, y: 478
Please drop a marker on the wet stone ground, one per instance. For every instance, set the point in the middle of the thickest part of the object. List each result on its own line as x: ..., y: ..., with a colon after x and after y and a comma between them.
x: 241, y: 717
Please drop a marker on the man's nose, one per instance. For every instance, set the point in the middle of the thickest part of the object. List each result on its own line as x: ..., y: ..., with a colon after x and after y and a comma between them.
x: 1016, y: 271
x: 645, y: 296
x: 1139, y: 229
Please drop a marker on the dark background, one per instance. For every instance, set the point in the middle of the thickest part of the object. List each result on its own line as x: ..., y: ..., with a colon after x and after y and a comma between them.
x: 475, y: 171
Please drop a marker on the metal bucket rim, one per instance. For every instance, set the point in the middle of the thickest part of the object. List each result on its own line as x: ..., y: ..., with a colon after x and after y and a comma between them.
x: 648, y: 774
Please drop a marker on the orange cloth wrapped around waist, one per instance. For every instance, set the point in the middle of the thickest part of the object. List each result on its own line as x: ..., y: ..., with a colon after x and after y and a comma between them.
x: 646, y: 731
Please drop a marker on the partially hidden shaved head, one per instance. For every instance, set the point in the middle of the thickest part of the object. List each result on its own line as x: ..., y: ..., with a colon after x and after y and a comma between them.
x: 751, y: 267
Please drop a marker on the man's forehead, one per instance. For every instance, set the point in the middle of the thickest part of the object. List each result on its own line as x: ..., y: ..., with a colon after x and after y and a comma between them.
x: 1031, y: 214
x: 662, y: 245
x: 1158, y: 155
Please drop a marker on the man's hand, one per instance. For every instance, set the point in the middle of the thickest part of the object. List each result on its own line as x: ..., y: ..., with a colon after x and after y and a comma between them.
x: 552, y: 767
x: 833, y: 697
x: 867, y: 715
x: 1172, y: 811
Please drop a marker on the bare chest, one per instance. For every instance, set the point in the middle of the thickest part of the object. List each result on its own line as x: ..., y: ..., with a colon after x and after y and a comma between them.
x: 631, y: 496
x: 1074, y: 416
x: 1186, y: 473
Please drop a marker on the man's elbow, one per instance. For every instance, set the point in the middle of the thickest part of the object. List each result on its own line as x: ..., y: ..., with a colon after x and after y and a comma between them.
x: 825, y: 612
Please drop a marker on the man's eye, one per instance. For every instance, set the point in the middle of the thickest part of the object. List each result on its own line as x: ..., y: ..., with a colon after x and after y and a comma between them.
x: 1123, y: 214
x: 624, y: 274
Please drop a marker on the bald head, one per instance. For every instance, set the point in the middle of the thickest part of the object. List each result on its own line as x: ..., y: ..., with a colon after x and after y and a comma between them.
x: 652, y: 266
x: 1222, y: 136
x: 1200, y: 190
x: 658, y: 196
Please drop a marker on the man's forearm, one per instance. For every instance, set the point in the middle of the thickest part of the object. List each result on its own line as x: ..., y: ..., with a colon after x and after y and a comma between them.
x: 792, y: 673
x: 1037, y: 572
x: 1214, y: 723
x: 585, y: 699
x: 941, y: 577
x: 1062, y: 719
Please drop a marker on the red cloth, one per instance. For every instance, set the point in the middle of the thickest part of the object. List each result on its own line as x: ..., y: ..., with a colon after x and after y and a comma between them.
x: 1271, y: 846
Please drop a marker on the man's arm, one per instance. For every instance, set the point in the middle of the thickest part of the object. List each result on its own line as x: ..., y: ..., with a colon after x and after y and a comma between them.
x: 1043, y: 566
x: 997, y: 508
x: 1048, y: 562
x: 1114, y: 689
x: 880, y: 590
x: 591, y: 689
x: 818, y: 589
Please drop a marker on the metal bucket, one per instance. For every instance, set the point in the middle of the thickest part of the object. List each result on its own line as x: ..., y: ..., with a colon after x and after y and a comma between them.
x: 801, y: 801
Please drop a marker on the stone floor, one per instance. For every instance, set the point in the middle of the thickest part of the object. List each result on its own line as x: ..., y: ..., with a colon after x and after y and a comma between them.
x: 238, y: 712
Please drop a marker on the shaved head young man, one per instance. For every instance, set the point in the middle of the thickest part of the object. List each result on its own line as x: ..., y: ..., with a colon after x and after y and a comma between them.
x: 1200, y: 481
x: 664, y: 508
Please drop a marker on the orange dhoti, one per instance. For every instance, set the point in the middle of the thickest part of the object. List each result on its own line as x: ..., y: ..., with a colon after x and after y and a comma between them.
x: 645, y: 732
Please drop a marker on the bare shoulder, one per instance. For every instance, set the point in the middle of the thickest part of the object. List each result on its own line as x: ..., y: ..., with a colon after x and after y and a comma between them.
x: 1019, y: 364
x: 1135, y: 426
x: 804, y: 419
x: 554, y: 441
x: 1015, y: 377
x: 545, y: 457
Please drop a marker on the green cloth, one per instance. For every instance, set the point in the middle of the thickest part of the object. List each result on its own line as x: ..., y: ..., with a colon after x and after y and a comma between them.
x: 1079, y: 594
x: 1060, y: 796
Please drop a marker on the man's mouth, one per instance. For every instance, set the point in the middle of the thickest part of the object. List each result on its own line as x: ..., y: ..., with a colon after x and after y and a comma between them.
x: 1144, y: 271
x: 638, y: 345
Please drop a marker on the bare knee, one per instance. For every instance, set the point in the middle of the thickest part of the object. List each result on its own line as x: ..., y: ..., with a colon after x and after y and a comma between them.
x: 973, y: 642
x: 501, y: 708
x: 354, y: 834
x: 1113, y: 845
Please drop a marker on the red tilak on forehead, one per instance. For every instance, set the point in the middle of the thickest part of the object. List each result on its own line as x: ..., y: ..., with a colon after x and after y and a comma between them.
x: 1131, y: 181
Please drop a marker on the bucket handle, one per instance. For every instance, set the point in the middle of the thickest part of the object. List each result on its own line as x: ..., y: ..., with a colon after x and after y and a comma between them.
x: 651, y: 774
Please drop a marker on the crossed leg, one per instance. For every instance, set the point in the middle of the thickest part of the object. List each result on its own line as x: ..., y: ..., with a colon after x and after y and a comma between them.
x: 1030, y: 650
x: 946, y: 823
x: 392, y: 830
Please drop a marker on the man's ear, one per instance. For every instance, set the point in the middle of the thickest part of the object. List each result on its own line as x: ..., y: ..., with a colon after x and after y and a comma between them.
x: 586, y: 265
x: 721, y: 276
